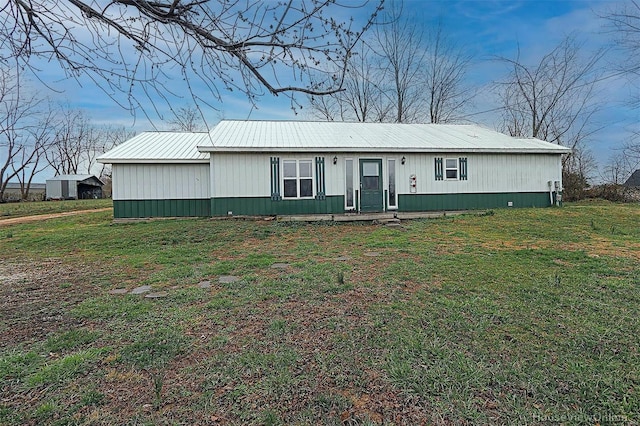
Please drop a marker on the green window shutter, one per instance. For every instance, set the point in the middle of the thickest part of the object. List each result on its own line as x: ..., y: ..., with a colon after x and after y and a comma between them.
x: 275, y: 179
x: 438, y: 167
x: 463, y: 168
x: 320, y: 180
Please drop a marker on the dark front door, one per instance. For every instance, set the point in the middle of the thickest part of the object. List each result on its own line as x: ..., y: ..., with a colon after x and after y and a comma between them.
x: 371, y: 199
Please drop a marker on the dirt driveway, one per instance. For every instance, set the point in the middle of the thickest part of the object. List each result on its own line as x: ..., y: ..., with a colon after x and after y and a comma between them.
x: 27, y: 219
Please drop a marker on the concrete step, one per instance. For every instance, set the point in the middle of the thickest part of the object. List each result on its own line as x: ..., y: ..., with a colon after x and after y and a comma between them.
x: 389, y: 221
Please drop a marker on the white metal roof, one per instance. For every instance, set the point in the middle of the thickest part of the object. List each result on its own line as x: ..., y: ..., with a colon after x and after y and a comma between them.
x: 292, y: 136
x: 159, y: 147
x: 75, y: 178
x: 16, y: 185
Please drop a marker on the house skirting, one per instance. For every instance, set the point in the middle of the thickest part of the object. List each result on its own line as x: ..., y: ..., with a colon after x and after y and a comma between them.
x: 431, y: 202
x: 265, y: 206
x: 161, y: 208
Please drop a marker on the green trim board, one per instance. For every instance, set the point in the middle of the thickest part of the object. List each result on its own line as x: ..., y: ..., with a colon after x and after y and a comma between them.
x: 438, y: 168
x: 275, y: 179
x: 463, y: 168
x: 161, y: 208
x: 258, y: 206
x: 471, y: 201
x: 321, y: 189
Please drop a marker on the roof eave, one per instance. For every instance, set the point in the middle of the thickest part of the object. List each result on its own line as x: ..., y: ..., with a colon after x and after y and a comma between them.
x: 151, y: 161
x: 386, y: 149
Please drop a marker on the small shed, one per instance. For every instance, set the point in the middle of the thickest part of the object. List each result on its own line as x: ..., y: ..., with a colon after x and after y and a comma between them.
x: 74, y: 187
x: 634, y: 180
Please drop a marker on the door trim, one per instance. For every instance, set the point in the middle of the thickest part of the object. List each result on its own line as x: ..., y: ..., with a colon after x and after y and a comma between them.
x: 375, y: 202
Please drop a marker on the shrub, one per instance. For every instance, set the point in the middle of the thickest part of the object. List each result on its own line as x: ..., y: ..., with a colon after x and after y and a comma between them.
x: 613, y: 192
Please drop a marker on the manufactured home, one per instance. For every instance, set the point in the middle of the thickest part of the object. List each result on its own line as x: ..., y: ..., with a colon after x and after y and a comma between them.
x: 297, y: 167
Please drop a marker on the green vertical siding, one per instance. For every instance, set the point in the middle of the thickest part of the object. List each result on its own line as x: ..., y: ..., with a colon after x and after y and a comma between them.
x: 161, y: 208
x: 265, y: 206
x: 428, y: 202
x: 258, y: 206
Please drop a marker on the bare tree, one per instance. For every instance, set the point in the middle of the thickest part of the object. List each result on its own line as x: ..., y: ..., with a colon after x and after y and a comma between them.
x: 619, y: 168
x: 617, y: 171
x: 9, y: 147
x: 446, y: 65
x: 624, y: 23
x: 554, y: 100
x: 401, y: 76
x: 74, y: 139
x: 363, y: 94
x: 327, y: 108
x: 78, y: 142
x: 632, y: 148
x: 402, y: 55
x: 109, y: 138
x: 362, y: 98
x: 253, y: 47
x: 40, y: 137
x: 23, y: 137
x: 187, y: 119
x: 629, y: 159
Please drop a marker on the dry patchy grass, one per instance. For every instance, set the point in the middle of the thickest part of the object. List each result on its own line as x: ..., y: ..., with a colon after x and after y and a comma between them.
x: 513, y: 317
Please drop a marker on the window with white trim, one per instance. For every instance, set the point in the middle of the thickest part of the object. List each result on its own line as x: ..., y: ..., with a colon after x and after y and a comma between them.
x: 391, y: 170
x: 451, y: 168
x: 297, y: 178
x: 349, y: 199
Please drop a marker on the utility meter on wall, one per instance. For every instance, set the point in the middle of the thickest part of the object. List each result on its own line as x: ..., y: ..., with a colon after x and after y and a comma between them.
x: 413, y: 184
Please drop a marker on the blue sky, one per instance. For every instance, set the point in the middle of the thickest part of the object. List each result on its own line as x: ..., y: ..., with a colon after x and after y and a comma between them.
x: 488, y: 28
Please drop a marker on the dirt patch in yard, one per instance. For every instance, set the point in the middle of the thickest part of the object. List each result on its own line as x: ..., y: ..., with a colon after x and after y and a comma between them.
x: 595, y: 247
x: 35, y: 299
x: 37, y: 218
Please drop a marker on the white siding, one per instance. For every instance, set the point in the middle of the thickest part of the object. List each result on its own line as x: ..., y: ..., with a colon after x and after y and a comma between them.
x: 335, y: 174
x: 73, y: 189
x: 241, y: 175
x: 249, y: 175
x: 487, y: 173
x: 160, y: 181
x: 54, y: 189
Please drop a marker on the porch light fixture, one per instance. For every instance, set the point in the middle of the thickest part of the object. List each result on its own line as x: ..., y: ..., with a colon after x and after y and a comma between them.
x: 335, y: 159
x: 404, y: 159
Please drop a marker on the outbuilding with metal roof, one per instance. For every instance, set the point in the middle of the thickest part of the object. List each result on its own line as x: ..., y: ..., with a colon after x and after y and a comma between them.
x: 73, y: 187
x: 301, y: 167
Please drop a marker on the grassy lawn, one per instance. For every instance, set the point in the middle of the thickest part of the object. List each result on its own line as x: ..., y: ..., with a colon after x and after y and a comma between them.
x: 11, y: 210
x: 528, y: 316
